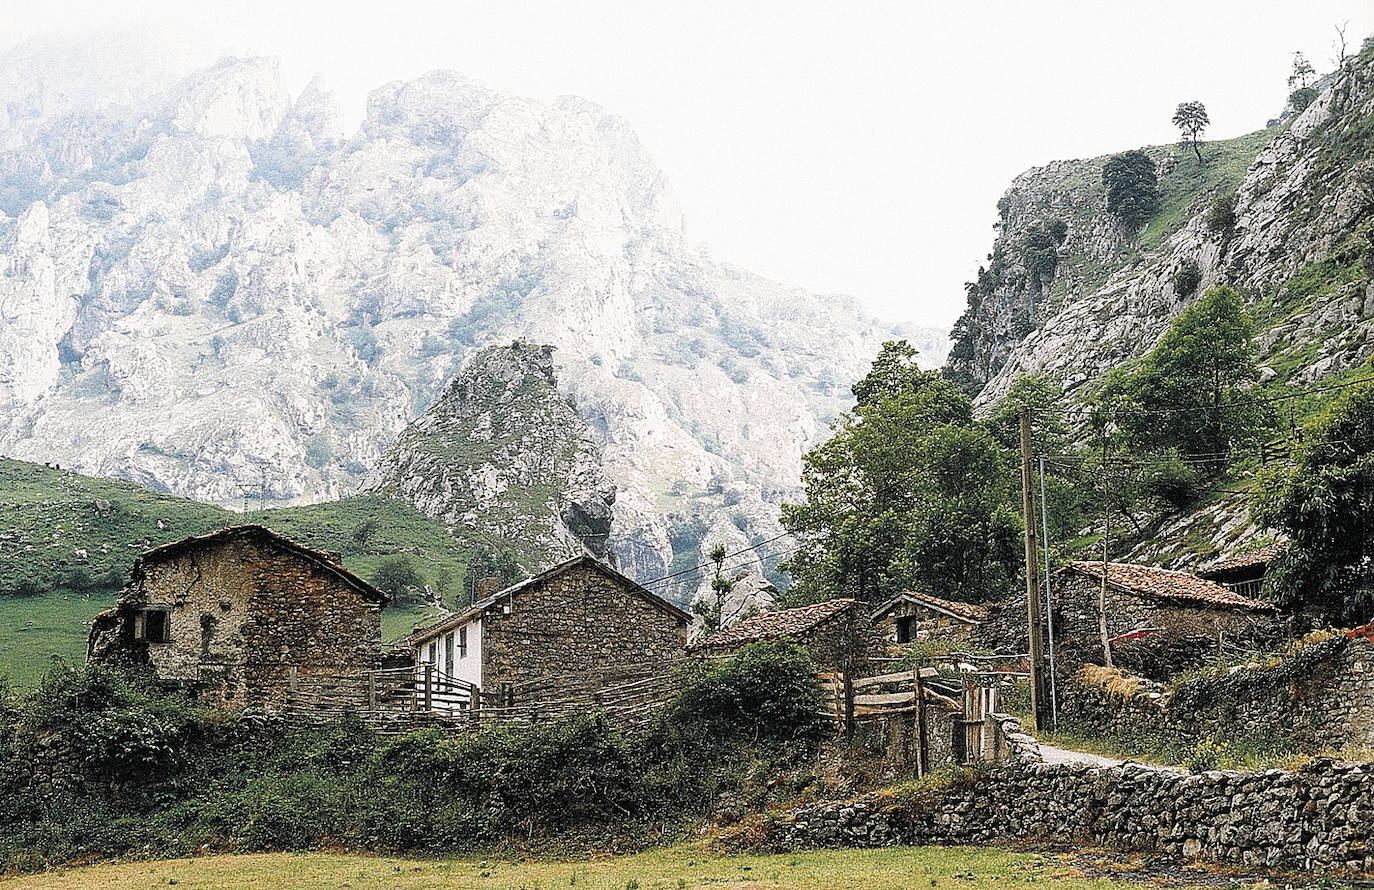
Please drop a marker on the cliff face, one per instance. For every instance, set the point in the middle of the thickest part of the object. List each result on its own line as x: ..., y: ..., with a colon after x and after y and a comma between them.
x: 205, y: 290
x: 503, y: 453
x: 1304, y: 192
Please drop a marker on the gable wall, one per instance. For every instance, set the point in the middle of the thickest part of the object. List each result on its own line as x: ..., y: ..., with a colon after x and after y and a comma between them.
x: 244, y: 614
x: 577, y: 623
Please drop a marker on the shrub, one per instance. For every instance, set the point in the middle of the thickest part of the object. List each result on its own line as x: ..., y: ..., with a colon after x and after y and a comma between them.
x: 396, y: 576
x: 1187, y: 278
x: 766, y: 694
x: 1301, y: 98
x: 1132, y: 187
x: 1221, y: 215
x: 1174, y: 482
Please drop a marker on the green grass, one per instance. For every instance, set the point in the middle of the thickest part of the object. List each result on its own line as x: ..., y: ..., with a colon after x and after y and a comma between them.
x: 35, y: 629
x: 49, y: 592
x: 893, y: 868
x: 1188, y: 185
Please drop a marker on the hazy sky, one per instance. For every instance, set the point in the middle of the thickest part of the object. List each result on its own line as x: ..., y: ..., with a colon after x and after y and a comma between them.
x: 853, y: 147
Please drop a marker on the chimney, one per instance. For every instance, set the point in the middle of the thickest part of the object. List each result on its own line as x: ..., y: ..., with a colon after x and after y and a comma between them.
x: 487, y: 586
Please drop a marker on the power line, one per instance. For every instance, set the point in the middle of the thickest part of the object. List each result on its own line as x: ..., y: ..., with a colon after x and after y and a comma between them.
x: 710, y: 563
x: 1182, y: 409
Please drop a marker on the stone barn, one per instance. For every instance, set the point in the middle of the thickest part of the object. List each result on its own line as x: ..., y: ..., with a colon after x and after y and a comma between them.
x: 837, y: 633
x: 240, y: 615
x: 1243, y: 574
x: 1159, y: 621
x: 912, y: 617
x: 579, y: 623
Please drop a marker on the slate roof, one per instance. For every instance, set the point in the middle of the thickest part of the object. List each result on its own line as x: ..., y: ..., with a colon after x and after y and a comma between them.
x: 774, y: 625
x: 429, y: 631
x: 963, y: 611
x: 1255, y: 558
x: 1167, y: 584
x: 328, y: 561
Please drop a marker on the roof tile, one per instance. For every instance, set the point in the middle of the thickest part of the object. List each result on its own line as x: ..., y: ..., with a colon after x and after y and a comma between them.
x: 1167, y: 584
x: 773, y: 625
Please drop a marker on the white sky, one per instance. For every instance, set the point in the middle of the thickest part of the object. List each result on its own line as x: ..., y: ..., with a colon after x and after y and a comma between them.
x: 855, y: 147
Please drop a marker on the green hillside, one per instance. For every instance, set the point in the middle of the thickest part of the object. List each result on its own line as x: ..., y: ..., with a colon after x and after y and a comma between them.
x: 67, y: 542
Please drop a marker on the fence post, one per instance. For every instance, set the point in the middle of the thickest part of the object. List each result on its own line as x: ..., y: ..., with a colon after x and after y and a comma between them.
x: 291, y: 675
x: 429, y: 686
x: 848, y: 703
x: 922, y: 764
x: 371, y: 691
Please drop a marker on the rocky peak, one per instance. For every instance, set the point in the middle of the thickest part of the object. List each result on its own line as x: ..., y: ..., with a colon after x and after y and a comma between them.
x: 503, y: 453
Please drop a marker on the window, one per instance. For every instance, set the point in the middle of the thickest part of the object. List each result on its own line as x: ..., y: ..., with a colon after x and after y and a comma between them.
x: 905, y: 627
x: 463, y: 641
x: 448, y: 652
x: 433, y: 651
x: 153, y: 625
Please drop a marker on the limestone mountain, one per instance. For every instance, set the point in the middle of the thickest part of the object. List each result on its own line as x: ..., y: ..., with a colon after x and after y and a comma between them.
x: 207, y: 289
x: 503, y: 451
x: 1283, y: 214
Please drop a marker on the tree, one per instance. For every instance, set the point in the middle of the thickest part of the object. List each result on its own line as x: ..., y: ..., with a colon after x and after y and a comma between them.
x: 1303, y: 73
x: 1191, y: 120
x: 1183, y: 394
x: 1324, y: 504
x: 396, y: 576
x: 1132, y: 187
x: 712, y: 611
x: 909, y: 492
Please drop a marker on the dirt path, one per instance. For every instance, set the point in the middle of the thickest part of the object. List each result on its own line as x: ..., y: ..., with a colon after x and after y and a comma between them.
x: 1051, y: 754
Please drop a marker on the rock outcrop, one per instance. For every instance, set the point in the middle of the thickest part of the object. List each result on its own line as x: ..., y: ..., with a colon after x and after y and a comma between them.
x: 503, y: 453
x: 205, y: 289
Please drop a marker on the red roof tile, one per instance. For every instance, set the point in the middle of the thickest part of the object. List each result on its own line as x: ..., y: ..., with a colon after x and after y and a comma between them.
x: 1166, y: 584
x: 966, y: 611
x: 774, y: 625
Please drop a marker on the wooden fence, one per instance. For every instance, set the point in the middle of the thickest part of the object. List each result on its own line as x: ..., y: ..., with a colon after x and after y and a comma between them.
x: 399, y: 700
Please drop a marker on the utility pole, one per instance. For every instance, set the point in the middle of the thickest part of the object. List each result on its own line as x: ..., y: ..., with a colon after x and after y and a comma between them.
x: 1034, y: 609
x: 1106, y: 566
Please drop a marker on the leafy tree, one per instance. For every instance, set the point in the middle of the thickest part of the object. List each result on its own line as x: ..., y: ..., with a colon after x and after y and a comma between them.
x: 1325, y: 505
x: 396, y: 576
x: 1191, y: 120
x: 908, y: 492
x: 1187, y: 278
x: 1041, y: 248
x: 1182, y: 395
x: 1132, y: 187
x: 500, y: 564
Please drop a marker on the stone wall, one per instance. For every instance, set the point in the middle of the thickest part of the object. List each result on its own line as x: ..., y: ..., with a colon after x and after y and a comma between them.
x: 1319, y: 699
x: 578, y: 622
x: 929, y: 624
x: 246, y: 616
x: 1317, y: 817
x: 847, y: 641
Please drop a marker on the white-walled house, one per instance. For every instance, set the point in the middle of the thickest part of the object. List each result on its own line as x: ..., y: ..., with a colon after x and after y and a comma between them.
x: 580, y: 619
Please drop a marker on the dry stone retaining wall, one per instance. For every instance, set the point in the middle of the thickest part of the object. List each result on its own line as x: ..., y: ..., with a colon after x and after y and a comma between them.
x: 1321, y: 816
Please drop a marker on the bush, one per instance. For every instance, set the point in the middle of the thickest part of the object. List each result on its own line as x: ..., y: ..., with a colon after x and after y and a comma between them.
x: 396, y: 576
x: 1132, y: 187
x: 1174, y: 482
x: 1221, y: 215
x: 1187, y: 278
x: 766, y: 694
x: 1301, y: 98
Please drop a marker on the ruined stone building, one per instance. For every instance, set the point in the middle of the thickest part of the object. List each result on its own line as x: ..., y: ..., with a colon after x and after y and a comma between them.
x: 240, y: 615
x: 1159, y: 621
x: 581, y: 622
x: 912, y: 617
x: 837, y: 633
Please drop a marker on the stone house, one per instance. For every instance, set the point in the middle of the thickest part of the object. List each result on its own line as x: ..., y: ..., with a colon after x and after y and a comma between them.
x: 1243, y: 574
x: 1159, y: 621
x: 837, y: 633
x: 914, y: 617
x: 581, y: 622
x: 240, y: 615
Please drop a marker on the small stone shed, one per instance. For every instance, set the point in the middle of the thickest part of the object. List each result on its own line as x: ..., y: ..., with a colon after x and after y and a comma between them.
x: 240, y: 615
x: 1243, y: 574
x: 580, y: 621
x: 1160, y: 621
x: 837, y: 633
x: 911, y: 617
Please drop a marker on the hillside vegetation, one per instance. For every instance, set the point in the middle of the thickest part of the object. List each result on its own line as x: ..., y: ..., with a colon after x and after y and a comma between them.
x: 67, y: 542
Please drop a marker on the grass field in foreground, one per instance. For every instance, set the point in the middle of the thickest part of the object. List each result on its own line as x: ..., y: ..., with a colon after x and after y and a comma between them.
x: 887, y: 869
